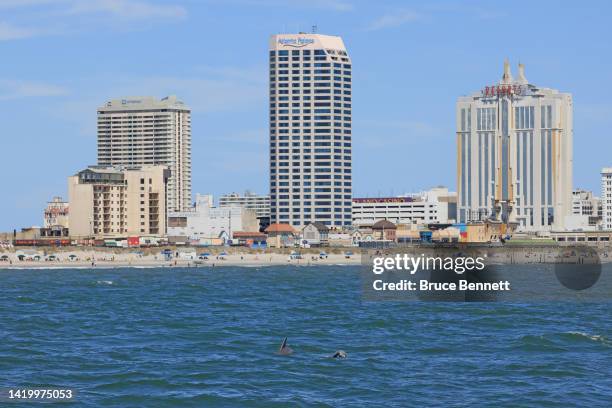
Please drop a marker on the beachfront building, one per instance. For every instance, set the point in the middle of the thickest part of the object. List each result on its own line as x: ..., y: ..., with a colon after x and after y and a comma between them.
x: 514, y: 154
x: 437, y: 205
x: 606, y: 198
x: 384, y: 230
x: 310, y: 130
x: 280, y: 235
x: 315, y: 234
x: 117, y: 202
x: 259, y: 203
x: 586, y: 211
x: 204, y: 222
x: 252, y: 201
x: 141, y: 131
x: 56, y: 214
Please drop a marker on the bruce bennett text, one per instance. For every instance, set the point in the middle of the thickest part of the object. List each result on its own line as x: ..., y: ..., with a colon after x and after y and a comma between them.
x: 425, y: 285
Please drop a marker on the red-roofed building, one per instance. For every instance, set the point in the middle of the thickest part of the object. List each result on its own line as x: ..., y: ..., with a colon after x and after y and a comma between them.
x: 280, y: 235
x: 249, y: 239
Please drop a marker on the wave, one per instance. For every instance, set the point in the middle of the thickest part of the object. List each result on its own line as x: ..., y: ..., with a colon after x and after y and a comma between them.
x: 105, y: 282
x: 586, y: 336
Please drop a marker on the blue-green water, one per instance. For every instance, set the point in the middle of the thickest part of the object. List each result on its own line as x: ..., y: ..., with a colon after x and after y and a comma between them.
x: 208, y: 337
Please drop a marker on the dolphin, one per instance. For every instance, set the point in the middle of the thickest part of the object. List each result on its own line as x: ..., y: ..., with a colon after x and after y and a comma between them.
x: 284, y: 349
x: 339, y: 354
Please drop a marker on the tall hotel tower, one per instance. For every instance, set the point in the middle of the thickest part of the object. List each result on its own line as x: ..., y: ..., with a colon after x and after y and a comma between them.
x: 142, y: 131
x: 310, y: 130
x: 514, y: 154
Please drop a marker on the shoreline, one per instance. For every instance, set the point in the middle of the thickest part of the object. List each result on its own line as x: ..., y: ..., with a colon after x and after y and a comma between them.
x: 108, y: 258
x: 92, y: 259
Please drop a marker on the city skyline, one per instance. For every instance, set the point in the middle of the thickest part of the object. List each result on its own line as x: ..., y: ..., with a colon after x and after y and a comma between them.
x: 403, y: 114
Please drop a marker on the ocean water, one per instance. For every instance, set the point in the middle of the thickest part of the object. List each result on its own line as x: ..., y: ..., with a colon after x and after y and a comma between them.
x: 193, y: 337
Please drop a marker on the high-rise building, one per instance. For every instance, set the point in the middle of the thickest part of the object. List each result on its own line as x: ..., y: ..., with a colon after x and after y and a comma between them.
x: 107, y: 202
x: 606, y: 198
x: 514, y: 154
x: 310, y: 130
x: 252, y: 201
x: 140, y: 131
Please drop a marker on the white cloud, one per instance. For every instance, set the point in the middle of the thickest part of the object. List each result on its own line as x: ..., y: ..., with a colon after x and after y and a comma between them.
x: 11, y: 32
x: 70, y: 16
x: 11, y: 89
x: 396, y: 19
x: 129, y: 9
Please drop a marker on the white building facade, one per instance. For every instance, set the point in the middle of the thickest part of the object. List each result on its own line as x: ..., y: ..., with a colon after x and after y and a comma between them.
x: 586, y: 212
x: 310, y: 130
x: 606, y: 198
x: 204, y: 221
x: 436, y: 206
x: 139, y: 131
x: 514, y: 154
x: 259, y: 203
x: 56, y: 213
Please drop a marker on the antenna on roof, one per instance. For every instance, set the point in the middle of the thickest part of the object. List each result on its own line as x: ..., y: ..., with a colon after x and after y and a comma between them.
x: 314, y: 29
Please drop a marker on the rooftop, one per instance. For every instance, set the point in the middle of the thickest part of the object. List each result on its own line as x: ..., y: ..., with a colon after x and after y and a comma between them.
x: 383, y: 224
x: 280, y: 228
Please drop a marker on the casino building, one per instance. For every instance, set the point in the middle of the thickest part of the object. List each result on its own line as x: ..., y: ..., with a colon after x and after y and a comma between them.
x: 514, y: 154
x: 310, y: 130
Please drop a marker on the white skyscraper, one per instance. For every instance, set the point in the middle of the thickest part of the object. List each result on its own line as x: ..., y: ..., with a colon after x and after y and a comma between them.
x: 139, y: 131
x: 310, y: 130
x: 514, y: 154
x: 606, y: 198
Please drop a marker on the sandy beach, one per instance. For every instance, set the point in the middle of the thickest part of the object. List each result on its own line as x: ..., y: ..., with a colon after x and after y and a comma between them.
x: 114, y: 258
x: 86, y: 257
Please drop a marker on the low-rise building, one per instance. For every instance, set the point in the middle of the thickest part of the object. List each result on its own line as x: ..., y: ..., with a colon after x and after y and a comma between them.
x: 280, y: 235
x: 437, y: 205
x: 586, y: 211
x: 249, y: 239
x: 56, y: 213
x: 205, y: 221
x: 384, y: 230
x: 112, y: 202
x: 587, y: 237
x: 315, y: 234
x: 259, y: 203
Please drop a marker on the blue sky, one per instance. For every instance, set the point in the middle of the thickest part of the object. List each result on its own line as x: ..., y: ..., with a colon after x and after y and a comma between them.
x: 60, y: 59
